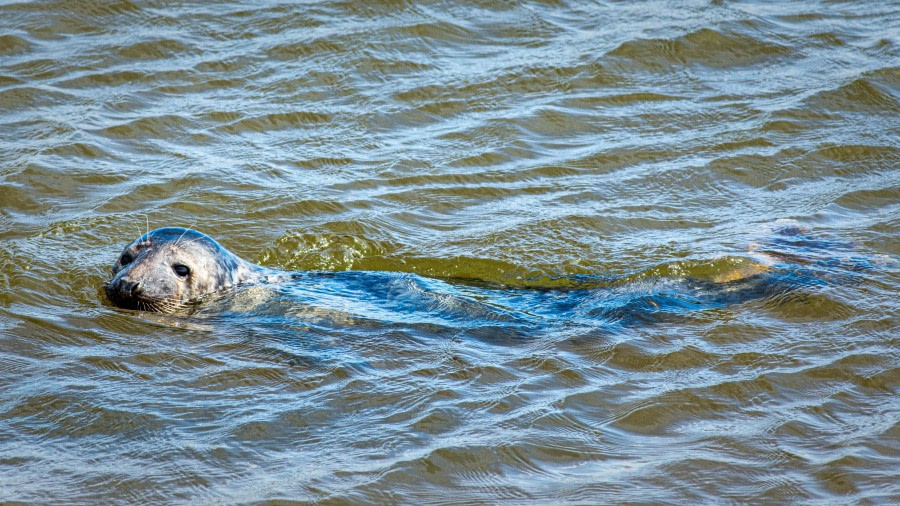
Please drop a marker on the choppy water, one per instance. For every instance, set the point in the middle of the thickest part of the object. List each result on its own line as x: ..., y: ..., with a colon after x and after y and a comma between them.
x: 469, y: 157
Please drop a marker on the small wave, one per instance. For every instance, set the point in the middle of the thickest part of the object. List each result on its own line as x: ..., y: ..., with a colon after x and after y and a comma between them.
x: 862, y: 95
x: 156, y: 49
x: 276, y: 121
x: 30, y: 97
x: 166, y: 126
x: 705, y: 47
x: 12, y: 45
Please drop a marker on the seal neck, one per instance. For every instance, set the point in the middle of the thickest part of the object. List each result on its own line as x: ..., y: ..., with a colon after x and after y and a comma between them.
x: 250, y: 273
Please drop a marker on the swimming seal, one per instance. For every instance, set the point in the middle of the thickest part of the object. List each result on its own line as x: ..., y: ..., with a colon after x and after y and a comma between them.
x: 168, y: 268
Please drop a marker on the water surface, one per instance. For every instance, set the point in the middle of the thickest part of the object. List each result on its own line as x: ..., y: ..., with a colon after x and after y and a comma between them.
x: 454, y: 174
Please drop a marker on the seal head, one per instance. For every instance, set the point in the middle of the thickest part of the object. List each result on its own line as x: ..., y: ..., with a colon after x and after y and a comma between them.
x: 168, y: 268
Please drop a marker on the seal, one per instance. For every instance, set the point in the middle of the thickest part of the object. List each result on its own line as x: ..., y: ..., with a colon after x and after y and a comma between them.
x: 169, y: 268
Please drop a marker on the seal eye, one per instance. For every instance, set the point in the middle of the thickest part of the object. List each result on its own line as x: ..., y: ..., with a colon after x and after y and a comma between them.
x: 181, y: 270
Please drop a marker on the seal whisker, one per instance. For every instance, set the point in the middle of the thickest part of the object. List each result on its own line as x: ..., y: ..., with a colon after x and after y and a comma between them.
x: 185, y: 231
x: 189, y: 241
x: 167, y: 307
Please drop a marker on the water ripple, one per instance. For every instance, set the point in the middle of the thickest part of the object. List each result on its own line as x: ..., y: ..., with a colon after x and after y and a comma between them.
x: 527, y: 240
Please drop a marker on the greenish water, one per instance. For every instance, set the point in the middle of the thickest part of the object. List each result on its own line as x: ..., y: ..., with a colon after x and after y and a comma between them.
x: 537, y: 203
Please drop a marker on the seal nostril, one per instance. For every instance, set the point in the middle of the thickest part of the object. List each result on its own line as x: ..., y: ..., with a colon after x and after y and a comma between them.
x: 128, y: 289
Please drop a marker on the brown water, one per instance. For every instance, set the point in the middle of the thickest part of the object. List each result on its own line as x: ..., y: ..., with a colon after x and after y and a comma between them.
x: 474, y: 155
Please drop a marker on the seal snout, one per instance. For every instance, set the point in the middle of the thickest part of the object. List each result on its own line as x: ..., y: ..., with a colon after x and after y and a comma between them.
x: 129, y: 289
x: 124, y: 292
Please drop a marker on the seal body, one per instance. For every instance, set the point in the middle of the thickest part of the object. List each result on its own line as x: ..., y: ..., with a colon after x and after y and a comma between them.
x: 168, y: 268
